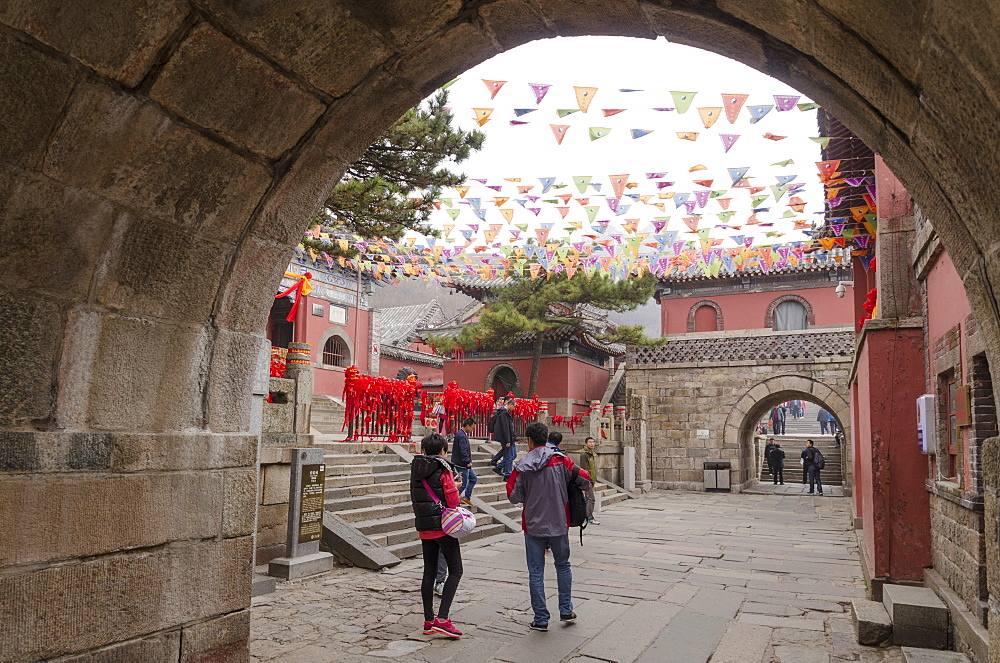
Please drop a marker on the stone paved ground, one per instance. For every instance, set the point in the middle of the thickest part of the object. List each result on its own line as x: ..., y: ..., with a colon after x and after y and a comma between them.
x: 671, y: 577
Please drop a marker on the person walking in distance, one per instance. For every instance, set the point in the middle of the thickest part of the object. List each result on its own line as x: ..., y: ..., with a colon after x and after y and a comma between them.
x: 778, y: 420
x: 588, y: 461
x: 503, y: 432
x: 461, y: 458
x: 767, y: 454
x: 491, y: 430
x: 539, y: 482
x: 776, y: 458
x: 811, y: 462
x: 824, y: 420
x: 431, y: 476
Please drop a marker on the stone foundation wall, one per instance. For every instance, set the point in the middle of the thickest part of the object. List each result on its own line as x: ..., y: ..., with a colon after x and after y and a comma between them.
x: 958, y: 549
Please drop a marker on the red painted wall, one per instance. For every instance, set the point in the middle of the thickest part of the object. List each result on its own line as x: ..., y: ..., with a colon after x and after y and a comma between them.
x: 889, y: 468
x: 945, y: 311
x: 311, y: 329
x: 558, y: 377
x: 747, y: 310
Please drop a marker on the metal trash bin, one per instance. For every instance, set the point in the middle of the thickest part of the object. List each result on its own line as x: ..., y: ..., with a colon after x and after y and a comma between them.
x: 717, y: 476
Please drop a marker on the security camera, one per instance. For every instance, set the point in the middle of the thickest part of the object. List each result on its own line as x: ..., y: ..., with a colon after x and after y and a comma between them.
x: 842, y: 288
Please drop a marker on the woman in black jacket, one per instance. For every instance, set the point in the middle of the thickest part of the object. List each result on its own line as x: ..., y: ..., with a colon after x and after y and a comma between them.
x: 432, y: 467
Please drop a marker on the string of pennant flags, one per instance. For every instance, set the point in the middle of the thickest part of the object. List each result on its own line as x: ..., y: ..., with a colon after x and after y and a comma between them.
x: 732, y: 107
x: 706, y: 222
x: 506, y: 247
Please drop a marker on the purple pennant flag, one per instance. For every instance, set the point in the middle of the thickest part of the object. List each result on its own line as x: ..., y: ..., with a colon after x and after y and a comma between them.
x: 835, y: 202
x: 728, y: 140
x: 532, y: 198
x: 871, y: 189
x: 783, y: 252
x: 515, y: 123
x: 678, y: 247
x: 689, y: 206
x: 664, y: 185
x: 655, y: 176
x: 785, y: 102
x: 612, y: 203
x: 748, y: 242
x: 792, y: 188
x: 838, y: 229
x: 663, y: 109
x: 474, y: 227
x: 862, y: 240
x: 535, y: 210
x: 540, y: 90
x: 855, y: 181
x: 702, y: 197
x: 780, y: 263
x: 480, y: 181
x: 495, y: 187
x: 658, y: 225
x: 516, y: 234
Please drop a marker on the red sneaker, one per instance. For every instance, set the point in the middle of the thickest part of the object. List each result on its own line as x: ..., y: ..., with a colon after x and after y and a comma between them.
x: 444, y: 627
x: 429, y: 628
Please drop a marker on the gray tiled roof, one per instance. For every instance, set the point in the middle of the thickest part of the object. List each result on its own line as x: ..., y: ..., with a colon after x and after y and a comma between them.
x: 399, y: 324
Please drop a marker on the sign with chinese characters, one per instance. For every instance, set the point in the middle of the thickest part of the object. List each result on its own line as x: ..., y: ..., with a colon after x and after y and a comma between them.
x: 313, y: 486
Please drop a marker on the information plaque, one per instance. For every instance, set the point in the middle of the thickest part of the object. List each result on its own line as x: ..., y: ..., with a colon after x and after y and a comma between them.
x: 311, y: 505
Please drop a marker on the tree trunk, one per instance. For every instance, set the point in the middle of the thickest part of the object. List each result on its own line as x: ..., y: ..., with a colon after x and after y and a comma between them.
x: 536, y: 361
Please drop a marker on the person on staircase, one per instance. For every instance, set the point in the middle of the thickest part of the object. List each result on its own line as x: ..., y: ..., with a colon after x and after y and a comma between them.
x: 767, y: 454
x: 588, y: 461
x: 503, y: 433
x: 811, y: 464
x: 778, y: 420
x: 776, y: 458
x: 461, y: 458
x: 431, y: 483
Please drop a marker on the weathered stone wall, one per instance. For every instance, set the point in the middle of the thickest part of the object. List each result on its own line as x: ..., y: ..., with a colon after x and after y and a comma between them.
x: 728, y: 397
x: 958, y: 549
x: 175, y: 149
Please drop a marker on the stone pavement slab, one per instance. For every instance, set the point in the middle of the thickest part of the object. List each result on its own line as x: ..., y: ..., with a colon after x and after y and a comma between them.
x: 672, y: 576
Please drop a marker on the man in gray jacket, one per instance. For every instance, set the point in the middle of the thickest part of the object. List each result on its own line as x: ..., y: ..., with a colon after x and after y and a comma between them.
x: 539, y: 483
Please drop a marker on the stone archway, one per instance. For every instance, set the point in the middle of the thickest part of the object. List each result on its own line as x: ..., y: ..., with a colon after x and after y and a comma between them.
x: 132, y: 340
x: 748, y: 410
x: 491, y: 377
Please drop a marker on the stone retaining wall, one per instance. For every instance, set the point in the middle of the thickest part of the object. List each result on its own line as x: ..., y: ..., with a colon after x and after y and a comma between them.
x: 958, y: 549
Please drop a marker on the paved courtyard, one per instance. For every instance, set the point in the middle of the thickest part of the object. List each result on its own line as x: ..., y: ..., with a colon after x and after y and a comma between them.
x: 672, y: 577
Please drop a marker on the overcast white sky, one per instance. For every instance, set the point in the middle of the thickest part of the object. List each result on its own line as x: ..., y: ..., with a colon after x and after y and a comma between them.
x: 656, y: 68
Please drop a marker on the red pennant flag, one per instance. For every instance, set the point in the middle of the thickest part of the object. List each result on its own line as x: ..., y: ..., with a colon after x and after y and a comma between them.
x: 494, y: 87
x: 733, y: 104
x: 608, y: 112
x: 559, y: 131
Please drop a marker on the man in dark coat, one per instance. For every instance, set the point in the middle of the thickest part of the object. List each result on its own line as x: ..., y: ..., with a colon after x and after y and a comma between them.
x: 767, y: 454
x: 776, y: 457
x: 503, y: 433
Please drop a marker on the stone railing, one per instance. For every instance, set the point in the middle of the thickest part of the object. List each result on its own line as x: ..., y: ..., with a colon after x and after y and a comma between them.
x: 747, y: 345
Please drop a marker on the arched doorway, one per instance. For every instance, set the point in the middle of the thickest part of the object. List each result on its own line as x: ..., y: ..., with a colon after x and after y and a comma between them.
x: 742, y: 421
x: 503, y: 379
x: 180, y: 209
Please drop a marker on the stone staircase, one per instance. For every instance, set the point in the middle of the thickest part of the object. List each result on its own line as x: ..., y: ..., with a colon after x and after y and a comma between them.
x: 327, y: 415
x: 794, y: 444
x: 368, y: 486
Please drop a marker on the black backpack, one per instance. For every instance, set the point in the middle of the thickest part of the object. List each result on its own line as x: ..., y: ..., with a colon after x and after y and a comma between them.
x: 818, y: 459
x: 577, y: 503
x: 492, y: 423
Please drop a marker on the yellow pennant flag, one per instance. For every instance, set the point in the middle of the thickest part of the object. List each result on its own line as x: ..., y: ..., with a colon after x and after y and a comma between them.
x: 584, y: 95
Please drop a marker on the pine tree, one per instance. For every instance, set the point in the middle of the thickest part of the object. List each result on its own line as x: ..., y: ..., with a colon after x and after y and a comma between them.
x: 524, y: 310
x: 391, y: 188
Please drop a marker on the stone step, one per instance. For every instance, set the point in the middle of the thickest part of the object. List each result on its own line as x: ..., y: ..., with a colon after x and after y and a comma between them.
x: 917, y: 655
x: 347, y: 480
x: 919, y: 618
x: 413, y: 548
x: 871, y: 622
